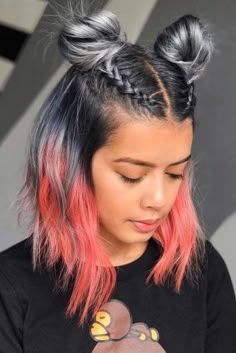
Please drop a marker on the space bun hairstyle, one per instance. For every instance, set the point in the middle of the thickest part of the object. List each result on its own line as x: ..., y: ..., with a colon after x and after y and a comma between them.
x: 88, y: 42
x: 188, y: 44
x: 108, y: 75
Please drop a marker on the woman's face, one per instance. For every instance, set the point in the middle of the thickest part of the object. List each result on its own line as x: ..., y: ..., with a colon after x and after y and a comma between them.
x: 152, y: 195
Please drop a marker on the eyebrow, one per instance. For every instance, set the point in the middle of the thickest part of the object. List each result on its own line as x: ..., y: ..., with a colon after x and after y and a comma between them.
x: 148, y: 164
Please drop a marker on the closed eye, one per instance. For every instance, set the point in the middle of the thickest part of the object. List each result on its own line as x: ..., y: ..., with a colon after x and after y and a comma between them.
x: 135, y: 181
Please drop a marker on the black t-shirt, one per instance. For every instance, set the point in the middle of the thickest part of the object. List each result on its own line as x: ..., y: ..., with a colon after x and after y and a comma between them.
x: 138, y: 318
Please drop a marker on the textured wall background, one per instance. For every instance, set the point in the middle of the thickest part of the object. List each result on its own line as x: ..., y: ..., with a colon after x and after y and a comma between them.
x: 29, y: 69
x: 215, y: 139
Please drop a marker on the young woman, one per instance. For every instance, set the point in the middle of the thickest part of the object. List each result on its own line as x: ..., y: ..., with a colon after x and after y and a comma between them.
x: 115, y: 259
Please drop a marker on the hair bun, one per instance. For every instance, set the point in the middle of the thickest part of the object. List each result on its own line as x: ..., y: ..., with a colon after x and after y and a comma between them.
x: 187, y: 43
x: 89, y: 40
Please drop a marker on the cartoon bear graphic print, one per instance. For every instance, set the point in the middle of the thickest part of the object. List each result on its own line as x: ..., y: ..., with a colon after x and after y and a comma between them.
x: 114, y: 331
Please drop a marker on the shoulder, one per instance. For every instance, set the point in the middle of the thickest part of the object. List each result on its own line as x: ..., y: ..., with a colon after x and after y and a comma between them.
x: 16, y: 268
x: 214, y: 261
x: 218, y: 277
x: 221, y: 303
x: 17, y: 257
x: 15, y: 272
x: 17, y: 248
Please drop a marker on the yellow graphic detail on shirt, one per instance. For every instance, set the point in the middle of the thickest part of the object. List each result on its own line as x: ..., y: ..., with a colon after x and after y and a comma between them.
x: 114, y: 331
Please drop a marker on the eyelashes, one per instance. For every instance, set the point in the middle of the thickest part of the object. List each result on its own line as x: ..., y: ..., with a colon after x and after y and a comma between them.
x: 136, y: 181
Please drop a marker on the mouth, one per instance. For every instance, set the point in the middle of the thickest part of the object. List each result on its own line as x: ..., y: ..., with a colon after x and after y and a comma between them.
x: 144, y: 226
x: 147, y: 221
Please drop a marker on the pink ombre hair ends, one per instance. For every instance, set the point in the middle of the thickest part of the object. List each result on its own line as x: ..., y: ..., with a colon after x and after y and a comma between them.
x: 76, y: 120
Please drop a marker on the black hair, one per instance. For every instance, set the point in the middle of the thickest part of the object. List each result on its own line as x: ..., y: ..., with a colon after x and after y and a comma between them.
x: 108, y: 74
x: 109, y: 71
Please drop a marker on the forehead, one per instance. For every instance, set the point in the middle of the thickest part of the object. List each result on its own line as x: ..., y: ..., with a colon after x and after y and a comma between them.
x: 162, y: 141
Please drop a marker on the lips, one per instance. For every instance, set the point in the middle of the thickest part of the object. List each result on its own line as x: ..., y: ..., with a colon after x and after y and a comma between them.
x: 144, y: 226
x: 148, y: 221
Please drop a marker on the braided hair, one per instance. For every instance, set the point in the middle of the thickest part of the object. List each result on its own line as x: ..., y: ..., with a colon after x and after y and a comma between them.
x: 179, y: 56
x: 107, y: 75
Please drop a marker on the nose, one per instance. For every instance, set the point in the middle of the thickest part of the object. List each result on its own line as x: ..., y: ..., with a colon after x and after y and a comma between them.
x: 155, y: 196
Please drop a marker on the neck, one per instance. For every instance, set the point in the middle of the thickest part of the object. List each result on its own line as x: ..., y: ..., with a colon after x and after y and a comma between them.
x: 123, y: 253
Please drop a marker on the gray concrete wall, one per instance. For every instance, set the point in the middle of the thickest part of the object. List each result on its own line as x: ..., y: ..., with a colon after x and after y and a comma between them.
x: 214, y: 146
x: 37, y: 71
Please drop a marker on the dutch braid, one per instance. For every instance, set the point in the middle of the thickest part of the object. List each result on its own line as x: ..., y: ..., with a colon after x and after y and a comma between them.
x: 190, y: 96
x: 124, y: 86
x: 93, y: 43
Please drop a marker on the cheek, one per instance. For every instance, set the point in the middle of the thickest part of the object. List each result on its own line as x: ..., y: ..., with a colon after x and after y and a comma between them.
x: 173, y: 195
x: 110, y: 195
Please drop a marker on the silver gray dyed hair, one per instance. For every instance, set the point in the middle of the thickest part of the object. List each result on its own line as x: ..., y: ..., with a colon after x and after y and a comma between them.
x: 90, y: 41
x: 192, y: 36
